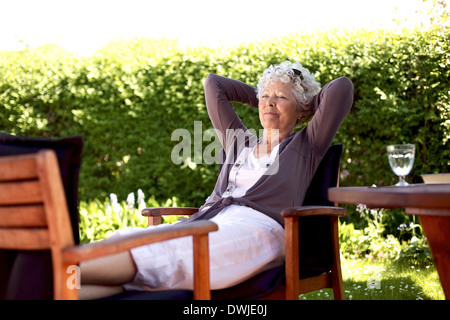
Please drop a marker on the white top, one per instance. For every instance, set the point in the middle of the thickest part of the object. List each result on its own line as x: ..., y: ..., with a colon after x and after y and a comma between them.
x: 247, y: 171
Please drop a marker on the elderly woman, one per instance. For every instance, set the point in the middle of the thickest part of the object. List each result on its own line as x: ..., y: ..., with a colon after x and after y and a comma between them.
x: 259, y: 177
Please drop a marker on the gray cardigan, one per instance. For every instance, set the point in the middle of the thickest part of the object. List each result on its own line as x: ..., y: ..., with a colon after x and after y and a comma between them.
x: 299, y: 154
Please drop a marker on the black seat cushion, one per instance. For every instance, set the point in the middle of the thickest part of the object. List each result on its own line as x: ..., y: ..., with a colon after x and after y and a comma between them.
x: 315, y: 245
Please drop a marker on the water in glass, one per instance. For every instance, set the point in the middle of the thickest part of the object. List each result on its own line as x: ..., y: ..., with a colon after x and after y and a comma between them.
x: 401, y: 160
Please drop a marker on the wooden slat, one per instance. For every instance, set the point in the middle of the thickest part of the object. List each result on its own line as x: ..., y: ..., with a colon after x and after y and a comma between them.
x: 336, y: 272
x: 165, y: 211
x: 304, y: 211
x: 24, y: 239
x: 315, y: 283
x: 154, y: 214
x: 23, y: 216
x: 426, y: 196
x: 292, y: 258
x: 202, y: 289
x: 22, y: 168
x: 154, y: 221
x: 445, y: 212
x: 56, y: 209
x: 25, y: 192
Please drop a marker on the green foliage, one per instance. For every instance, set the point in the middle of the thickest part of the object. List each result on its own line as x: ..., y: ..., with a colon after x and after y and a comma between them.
x: 98, y: 220
x: 127, y: 99
x: 371, y: 242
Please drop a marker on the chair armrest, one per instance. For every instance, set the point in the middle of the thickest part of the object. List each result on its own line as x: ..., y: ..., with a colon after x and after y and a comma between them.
x: 166, y: 211
x: 113, y: 245
x: 304, y: 211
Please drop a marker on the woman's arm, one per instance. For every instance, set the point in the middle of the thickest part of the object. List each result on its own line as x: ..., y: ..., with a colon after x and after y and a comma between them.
x: 219, y: 93
x: 330, y: 107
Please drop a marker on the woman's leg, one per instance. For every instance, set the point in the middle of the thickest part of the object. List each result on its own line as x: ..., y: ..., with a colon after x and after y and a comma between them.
x: 105, y: 276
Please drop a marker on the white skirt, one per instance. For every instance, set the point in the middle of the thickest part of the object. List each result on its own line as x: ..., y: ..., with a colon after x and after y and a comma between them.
x: 246, y: 243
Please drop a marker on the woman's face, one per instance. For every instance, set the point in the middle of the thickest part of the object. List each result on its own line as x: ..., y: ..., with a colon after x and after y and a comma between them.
x: 278, y: 108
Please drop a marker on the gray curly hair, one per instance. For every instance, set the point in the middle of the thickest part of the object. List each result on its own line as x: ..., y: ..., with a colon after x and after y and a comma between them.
x: 305, y: 85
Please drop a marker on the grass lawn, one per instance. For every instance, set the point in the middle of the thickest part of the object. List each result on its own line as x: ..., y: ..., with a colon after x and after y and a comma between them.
x: 380, y: 280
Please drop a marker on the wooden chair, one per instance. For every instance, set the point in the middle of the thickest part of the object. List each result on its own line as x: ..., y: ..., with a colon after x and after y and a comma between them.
x: 312, y: 243
x: 34, y: 216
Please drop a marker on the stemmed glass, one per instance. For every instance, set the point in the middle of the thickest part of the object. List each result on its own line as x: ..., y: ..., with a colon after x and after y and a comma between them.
x: 401, y: 160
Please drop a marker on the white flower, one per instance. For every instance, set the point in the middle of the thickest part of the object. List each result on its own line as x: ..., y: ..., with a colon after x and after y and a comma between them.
x: 140, y: 200
x: 141, y: 195
x: 114, y: 203
x: 361, y: 207
x: 113, y: 198
x: 130, y: 200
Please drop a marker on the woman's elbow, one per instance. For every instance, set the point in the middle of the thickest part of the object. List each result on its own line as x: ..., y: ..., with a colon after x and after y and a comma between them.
x: 345, y: 84
x: 211, y: 80
x: 344, y: 90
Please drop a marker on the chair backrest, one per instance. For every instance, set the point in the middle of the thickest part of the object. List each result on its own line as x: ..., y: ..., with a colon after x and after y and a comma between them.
x: 68, y: 151
x: 315, y: 246
x: 38, y: 284
x: 33, y: 208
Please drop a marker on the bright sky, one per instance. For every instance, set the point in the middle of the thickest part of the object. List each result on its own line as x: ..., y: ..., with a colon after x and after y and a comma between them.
x: 86, y: 25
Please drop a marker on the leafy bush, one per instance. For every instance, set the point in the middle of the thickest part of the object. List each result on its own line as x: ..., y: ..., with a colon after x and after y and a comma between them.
x: 372, y: 242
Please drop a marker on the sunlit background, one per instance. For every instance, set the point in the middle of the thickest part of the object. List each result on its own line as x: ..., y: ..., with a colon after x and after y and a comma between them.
x: 83, y: 26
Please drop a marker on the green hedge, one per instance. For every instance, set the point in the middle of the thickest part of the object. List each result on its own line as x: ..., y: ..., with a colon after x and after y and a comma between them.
x: 129, y: 97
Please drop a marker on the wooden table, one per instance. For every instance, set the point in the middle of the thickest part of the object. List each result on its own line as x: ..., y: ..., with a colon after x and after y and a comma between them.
x: 431, y: 202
